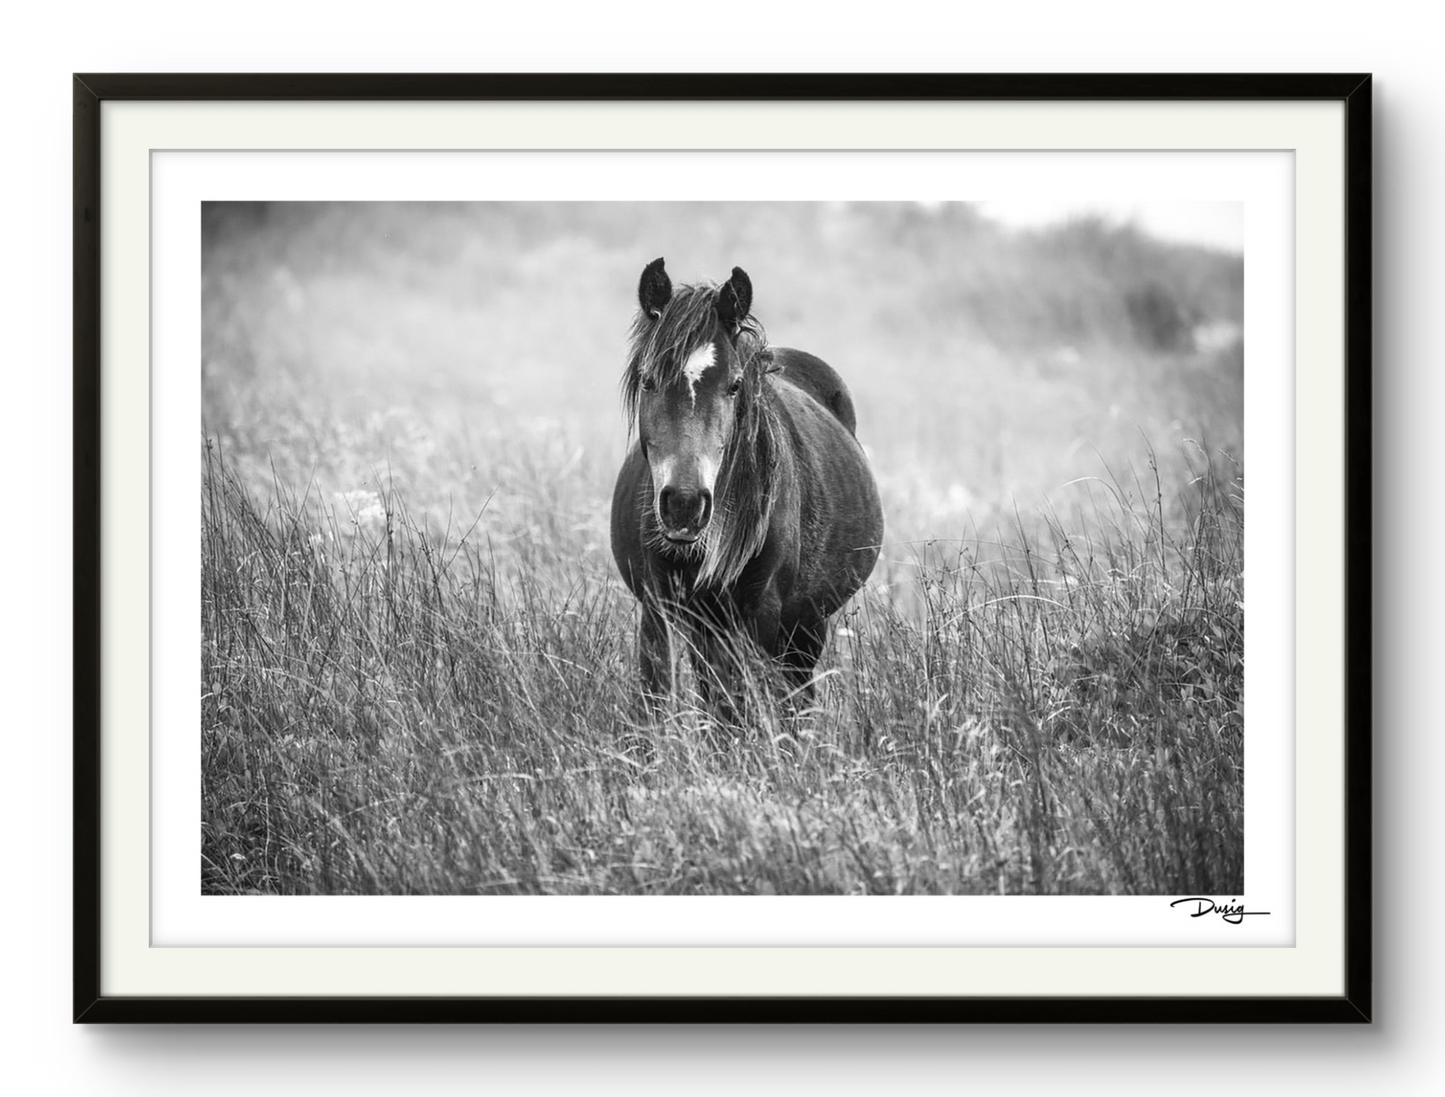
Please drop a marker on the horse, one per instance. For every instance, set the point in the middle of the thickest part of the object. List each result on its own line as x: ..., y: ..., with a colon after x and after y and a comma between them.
x: 744, y: 514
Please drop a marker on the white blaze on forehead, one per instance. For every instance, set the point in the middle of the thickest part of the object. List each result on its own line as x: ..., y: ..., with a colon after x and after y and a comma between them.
x: 698, y: 363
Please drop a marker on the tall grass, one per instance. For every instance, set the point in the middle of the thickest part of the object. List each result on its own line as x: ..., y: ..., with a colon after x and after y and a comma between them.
x: 389, y: 706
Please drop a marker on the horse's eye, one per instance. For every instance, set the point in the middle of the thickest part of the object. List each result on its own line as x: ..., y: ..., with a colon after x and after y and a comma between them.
x: 649, y: 385
x: 736, y: 387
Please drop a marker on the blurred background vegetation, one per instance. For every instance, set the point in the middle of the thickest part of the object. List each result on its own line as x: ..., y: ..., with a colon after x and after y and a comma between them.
x: 467, y: 350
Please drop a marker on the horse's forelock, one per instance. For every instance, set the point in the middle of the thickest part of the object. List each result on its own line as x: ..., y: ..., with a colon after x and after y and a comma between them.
x: 659, y: 346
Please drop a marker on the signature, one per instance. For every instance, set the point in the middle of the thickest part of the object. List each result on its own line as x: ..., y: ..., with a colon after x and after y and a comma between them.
x: 1232, y: 912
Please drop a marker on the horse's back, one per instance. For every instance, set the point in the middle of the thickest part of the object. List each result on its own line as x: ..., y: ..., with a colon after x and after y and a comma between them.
x: 819, y: 380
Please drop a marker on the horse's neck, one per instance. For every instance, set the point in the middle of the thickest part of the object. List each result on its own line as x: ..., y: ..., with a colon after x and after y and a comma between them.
x: 745, y: 503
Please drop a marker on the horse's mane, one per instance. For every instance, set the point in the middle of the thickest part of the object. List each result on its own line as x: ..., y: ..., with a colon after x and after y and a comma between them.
x: 743, y: 499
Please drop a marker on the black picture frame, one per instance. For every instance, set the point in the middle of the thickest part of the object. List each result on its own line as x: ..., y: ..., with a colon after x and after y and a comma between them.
x: 91, y: 90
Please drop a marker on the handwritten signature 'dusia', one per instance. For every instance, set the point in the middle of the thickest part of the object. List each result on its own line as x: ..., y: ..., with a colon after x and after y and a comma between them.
x: 1232, y: 912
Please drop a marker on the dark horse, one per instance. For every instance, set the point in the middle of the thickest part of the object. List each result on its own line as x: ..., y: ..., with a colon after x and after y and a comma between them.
x: 745, y: 510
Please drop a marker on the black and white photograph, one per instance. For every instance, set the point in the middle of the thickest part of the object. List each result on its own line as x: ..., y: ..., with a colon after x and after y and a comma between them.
x: 753, y: 548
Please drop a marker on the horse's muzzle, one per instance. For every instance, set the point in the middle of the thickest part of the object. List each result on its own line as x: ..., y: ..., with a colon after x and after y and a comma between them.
x: 684, y: 512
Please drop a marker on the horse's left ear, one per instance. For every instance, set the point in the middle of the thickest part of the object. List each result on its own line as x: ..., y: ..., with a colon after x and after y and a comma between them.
x: 735, y: 299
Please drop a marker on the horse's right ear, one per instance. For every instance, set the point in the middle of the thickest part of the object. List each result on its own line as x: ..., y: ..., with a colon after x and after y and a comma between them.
x: 655, y: 288
x: 734, y: 299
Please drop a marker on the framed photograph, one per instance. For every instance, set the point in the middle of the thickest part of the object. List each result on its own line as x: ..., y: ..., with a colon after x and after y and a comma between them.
x: 719, y: 548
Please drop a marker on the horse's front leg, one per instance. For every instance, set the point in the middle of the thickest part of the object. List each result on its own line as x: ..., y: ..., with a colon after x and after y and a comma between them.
x: 717, y: 667
x: 655, y: 658
x: 800, y: 658
x: 794, y: 649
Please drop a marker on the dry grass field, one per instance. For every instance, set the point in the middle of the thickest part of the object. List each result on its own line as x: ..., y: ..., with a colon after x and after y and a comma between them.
x: 417, y: 664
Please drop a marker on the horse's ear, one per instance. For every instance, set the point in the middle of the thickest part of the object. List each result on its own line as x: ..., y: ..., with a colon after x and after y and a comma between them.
x: 735, y: 299
x: 655, y: 289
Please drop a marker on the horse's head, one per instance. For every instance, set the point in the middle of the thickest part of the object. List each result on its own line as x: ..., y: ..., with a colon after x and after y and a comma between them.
x: 688, y: 387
